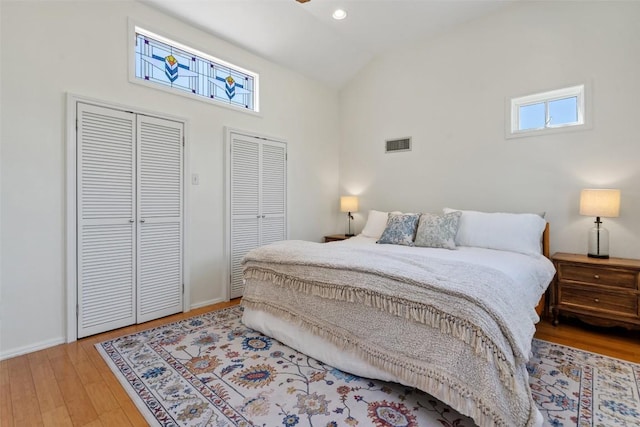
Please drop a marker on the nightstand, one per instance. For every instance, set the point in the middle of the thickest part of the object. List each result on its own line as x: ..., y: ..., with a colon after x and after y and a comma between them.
x: 336, y: 237
x: 602, y: 292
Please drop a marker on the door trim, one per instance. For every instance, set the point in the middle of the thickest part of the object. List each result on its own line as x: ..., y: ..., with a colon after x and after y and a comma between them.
x: 71, y: 265
x: 226, y: 271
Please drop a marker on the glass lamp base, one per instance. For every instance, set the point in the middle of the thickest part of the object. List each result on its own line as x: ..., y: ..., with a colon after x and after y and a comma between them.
x: 598, y: 243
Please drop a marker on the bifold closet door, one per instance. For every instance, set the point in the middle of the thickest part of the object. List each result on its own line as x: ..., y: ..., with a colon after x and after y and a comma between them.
x: 258, y: 199
x: 160, y: 154
x: 106, y: 212
x: 273, y: 192
x: 129, y: 218
x: 245, y: 204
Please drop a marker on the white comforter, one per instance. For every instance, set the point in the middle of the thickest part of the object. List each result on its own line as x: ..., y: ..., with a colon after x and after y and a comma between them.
x: 532, y: 273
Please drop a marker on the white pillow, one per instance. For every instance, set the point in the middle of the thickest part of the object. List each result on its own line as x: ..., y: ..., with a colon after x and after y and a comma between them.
x: 376, y: 223
x: 503, y: 231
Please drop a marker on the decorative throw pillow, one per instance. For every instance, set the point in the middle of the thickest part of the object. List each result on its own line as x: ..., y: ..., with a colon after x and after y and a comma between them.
x: 376, y: 223
x: 438, y: 231
x: 400, y: 229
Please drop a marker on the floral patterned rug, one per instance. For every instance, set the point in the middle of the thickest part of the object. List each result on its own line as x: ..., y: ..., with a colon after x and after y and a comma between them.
x: 211, y: 370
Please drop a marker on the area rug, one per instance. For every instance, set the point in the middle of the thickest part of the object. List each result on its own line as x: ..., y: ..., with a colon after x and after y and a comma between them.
x: 211, y: 370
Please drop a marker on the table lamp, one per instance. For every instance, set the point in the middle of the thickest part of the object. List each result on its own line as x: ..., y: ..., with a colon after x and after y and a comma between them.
x: 349, y: 204
x: 599, y: 203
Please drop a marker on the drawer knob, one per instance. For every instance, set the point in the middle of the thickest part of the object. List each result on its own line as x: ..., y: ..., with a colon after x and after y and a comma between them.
x: 596, y: 300
x: 595, y: 276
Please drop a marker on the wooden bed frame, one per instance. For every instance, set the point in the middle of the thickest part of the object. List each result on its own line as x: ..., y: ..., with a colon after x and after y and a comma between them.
x: 541, y: 307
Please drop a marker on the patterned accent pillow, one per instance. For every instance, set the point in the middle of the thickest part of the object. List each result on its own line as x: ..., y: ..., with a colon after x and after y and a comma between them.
x: 400, y: 229
x: 438, y: 231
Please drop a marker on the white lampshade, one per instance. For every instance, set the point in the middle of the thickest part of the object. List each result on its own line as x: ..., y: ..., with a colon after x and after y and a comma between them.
x: 600, y: 202
x: 348, y: 204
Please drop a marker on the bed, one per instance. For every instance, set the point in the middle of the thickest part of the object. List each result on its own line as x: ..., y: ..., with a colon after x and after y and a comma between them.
x: 457, y: 324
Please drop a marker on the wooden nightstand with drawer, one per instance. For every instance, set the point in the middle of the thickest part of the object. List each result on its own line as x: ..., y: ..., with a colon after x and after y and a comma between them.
x: 602, y: 292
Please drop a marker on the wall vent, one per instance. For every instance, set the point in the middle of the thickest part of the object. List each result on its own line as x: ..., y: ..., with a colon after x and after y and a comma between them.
x: 395, y: 145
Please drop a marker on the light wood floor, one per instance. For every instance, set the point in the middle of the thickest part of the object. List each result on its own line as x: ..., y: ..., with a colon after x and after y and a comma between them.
x: 70, y: 384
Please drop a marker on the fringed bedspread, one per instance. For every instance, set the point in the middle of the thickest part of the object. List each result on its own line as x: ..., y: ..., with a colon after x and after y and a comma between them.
x: 458, y: 331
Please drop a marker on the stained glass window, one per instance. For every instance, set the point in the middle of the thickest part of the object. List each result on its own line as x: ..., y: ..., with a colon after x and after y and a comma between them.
x: 173, y: 65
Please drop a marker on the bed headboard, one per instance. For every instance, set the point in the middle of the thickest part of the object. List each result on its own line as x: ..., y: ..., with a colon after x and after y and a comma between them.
x: 545, y: 241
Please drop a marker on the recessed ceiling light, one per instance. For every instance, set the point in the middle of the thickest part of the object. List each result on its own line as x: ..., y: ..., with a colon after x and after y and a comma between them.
x: 339, y: 14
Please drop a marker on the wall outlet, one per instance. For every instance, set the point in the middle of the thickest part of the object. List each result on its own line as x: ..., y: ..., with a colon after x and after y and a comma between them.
x: 195, y: 179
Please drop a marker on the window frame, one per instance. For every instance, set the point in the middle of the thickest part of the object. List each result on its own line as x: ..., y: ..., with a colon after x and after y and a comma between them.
x: 582, y: 94
x: 137, y: 28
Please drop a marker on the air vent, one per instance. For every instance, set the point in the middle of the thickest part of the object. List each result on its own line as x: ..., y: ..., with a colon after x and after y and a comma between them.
x: 395, y: 145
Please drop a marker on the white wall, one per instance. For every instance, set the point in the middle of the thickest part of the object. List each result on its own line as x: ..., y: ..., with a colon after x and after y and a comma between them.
x: 449, y: 95
x: 50, y: 48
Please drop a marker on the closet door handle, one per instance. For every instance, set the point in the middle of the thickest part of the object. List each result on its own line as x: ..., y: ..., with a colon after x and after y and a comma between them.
x: 132, y: 220
x: 142, y: 220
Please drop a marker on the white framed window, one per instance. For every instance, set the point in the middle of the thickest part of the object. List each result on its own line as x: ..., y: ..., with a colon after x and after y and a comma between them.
x: 165, y: 64
x: 548, y: 112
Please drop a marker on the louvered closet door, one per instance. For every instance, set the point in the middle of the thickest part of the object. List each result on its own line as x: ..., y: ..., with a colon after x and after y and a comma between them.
x: 105, y: 215
x: 245, y: 204
x: 160, y: 159
x: 273, y: 227
x: 258, y: 199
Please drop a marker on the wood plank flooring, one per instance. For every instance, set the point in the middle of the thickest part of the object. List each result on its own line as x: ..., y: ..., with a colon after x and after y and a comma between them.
x: 71, y: 385
x: 614, y: 342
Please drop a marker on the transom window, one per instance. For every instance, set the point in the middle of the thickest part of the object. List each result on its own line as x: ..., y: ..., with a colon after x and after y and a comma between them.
x: 545, y: 111
x: 164, y: 63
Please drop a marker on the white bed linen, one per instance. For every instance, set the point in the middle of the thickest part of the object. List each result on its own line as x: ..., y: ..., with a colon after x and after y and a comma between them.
x: 532, y: 273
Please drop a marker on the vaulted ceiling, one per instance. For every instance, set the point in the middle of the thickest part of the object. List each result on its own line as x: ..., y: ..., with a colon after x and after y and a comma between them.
x: 304, y: 37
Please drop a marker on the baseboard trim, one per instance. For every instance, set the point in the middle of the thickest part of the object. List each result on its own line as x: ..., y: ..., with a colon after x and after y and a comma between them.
x: 209, y: 302
x: 19, y: 351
